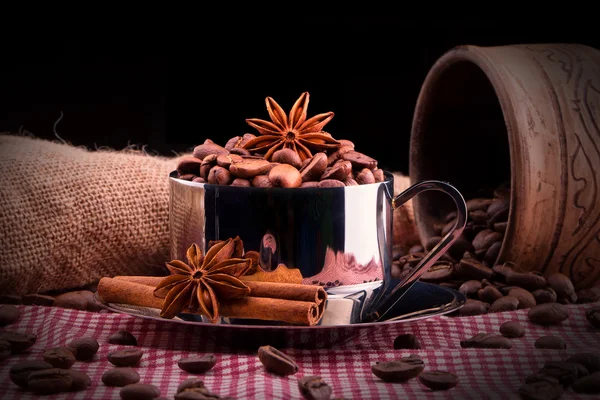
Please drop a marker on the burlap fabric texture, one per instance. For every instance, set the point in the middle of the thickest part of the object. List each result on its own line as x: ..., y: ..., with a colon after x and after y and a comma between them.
x: 69, y: 216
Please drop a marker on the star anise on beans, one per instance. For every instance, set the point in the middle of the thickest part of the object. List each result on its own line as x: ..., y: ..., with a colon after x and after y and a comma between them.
x: 205, y: 281
x: 291, y: 131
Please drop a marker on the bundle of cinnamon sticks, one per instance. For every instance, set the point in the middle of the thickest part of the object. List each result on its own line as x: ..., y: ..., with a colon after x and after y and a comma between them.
x: 297, y: 304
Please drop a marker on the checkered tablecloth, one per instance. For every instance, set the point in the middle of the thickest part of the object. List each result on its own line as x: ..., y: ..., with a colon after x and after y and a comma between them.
x: 483, y: 373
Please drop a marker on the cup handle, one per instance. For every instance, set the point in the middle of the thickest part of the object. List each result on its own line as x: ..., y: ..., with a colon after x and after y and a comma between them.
x: 387, y: 301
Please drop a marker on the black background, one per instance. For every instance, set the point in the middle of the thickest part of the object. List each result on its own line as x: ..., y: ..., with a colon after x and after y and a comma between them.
x: 170, y: 88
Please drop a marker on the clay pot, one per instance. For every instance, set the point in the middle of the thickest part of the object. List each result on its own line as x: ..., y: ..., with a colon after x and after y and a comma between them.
x: 530, y: 115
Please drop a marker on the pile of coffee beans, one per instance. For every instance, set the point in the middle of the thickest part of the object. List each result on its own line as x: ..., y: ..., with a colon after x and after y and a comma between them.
x: 233, y: 165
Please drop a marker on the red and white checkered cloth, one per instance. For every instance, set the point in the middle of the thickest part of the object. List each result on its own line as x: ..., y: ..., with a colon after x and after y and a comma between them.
x: 483, y: 373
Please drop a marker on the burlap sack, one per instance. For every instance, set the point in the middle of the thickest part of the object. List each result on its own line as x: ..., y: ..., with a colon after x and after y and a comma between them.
x: 70, y: 216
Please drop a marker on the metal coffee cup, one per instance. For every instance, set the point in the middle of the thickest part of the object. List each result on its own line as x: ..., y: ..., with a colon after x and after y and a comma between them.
x: 338, y: 237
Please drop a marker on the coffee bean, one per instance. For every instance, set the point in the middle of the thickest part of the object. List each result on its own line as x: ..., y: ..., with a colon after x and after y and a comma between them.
x: 492, y: 253
x: 546, y: 295
x: 589, y: 384
x: 561, y: 284
x: 512, y: 329
x: 478, y: 204
x: 315, y: 168
x: 225, y: 160
x: 484, y: 239
x: 189, y: 165
x: 287, y: 156
x: 460, y: 246
x: 440, y: 271
x: 59, y: 357
x: 506, y: 303
x: 541, y: 390
x: 249, y: 168
x: 548, y: 313
x: 592, y: 315
x: 124, y: 338
x: 206, y: 149
x: 550, y: 342
x: 590, y: 295
x: 398, y: 371
x: 92, y: 305
x: 378, y: 175
x: 187, y: 177
x: 38, y: 300
x: 530, y: 281
x: 406, y: 341
x: 500, y: 227
x: 139, y: 391
x: 591, y: 361
x: 190, y: 383
x: 71, y: 300
x: 49, y: 381
x: 486, y: 341
x: 219, y: 176
x: 470, y: 287
x: 80, y: 380
x: 276, y: 361
x: 125, y: 357
x: 365, y: 177
x: 262, y: 181
x: 207, y: 163
x: 84, y: 348
x: 330, y: 183
x: 4, y: 350
x: 197, y: 364
x: 432, y: 242
x: 199, y: 179
x: 337, y: 155
x: 489, y: 294
x: 10, y: 299
x: 19, y: 341
x: 241, y: 182
x: 120, y: 376
x: 472, y: 269
x: 9, y: 314
x: 473, y: 307
x: 438, y: 380
x: 286, y: 176
x: 359, y: 160
x: 565, y: 372
x: 526, y: 299
x: 314, y: 388
x: 338, y: 171
x: 19, y: 372
x: 502, y: 271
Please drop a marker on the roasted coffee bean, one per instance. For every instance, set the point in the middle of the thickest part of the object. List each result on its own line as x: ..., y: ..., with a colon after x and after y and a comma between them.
x: 310, y: 184
x: 287, y: 156
x: 10, y: 299
x: 4, y: 350
x: 241, y: 182
x: 219, y: 176
x: 359, y: 160
x: 207, y: 164
x: 565, y: 372
x: 485, y: 238
x: 492, y: 253
x: 314, y: 388
x: 314, y: 169
x: 49, y: 381
x: 548, y: 313
x: 197, y: 364
x: 486, y: 341
x: 561, y: 284
x: 240, y: 151
x: 189, y: 165
x: 330, y: 183
x: 286, y: 176
x: 19, y: 372
x: 541, y: 389
x: 38, y: 300
x: 398, y: 371
x: 460, y: 246
x: 512, y: 329
x: 506, y: 303
x: 349, y: 181
x: 592, y: 315
x: 473, y: 307
x: 378, y: 175
x: 502, y: 271
x: 500, y: 227
x: 208, y: 148
x: 120, y: 376
x: 547, y: 295
x: 338, y: 171
x: 80, y: 380
x: 125, y: 357
x: 526, y: 299
x: 530, y: 281
x: 406, y: 341
x: 59, y: 357
x: 591, y: 361
x: 365, y: 177
x: 589, y: 384
x: 139, y: 391
x: 249, y: 168
x: 478, y: 204
x: 84, y: 348
x: 199, y: 179
x: 440, y: 271
x: 472, y: 269
x: 9, y: 314
x: 191, y: 383
x: 262, y: 181
x: 470, y: 287
x: 438, y: 380
x: 124, y: 338
x: 489, y: 294
x: 550, y: 342
x: 479, y: 216
x: 19, y: 341
x: 590, y: 295
x: 225, y: 160
x: 92, y: 305
x: 187, y: 177
x: 276, y: 361
x: 337, y: 155
x: 71, y: 300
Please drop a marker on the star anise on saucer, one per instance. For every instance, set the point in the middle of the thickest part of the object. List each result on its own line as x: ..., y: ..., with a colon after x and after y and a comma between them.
x: 205, y: 281
x: 291, y: 131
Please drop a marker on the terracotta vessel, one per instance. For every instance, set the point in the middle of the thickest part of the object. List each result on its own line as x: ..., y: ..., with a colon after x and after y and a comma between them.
x: 529, y: 114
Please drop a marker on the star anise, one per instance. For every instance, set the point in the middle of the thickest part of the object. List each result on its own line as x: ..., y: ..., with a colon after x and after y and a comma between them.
x: 205, y: 280
x: 293, y: 132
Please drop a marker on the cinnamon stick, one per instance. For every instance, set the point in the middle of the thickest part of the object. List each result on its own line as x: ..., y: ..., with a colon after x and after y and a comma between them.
x: 130, y: 290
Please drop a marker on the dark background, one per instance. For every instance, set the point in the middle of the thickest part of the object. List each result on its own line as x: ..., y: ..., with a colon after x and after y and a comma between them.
x: 171, y: 88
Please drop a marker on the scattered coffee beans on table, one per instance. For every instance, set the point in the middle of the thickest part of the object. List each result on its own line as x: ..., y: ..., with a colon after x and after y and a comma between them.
x: 9, y: 314
x: 197, y: 364
x: 124, y: 338
x: 84, y: 348
x: 314, y: 388
x: 125, y: 357
x: 19, y: 341
x: 139, y: 391
x: 512, y: 329
x: 548, y: 313
x: 486, y: 341
x: 398, y: 371
x: 120, y: 376
x: 438, y: 380
x: 550, y: 342
x: 60, y: 357
x: 276, y: 361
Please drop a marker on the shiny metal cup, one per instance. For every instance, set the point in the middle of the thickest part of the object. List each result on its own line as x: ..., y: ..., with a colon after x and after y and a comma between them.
x: 340, y: 238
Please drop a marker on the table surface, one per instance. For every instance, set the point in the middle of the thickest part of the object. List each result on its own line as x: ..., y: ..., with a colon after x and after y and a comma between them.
x: 483, y: 373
